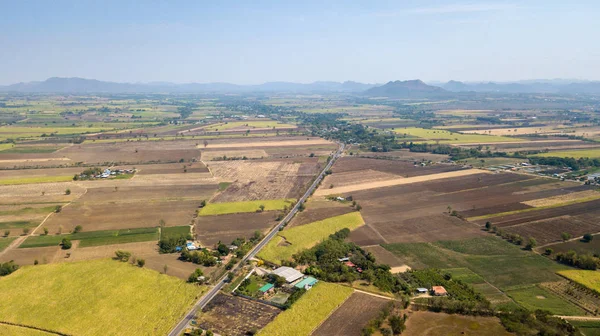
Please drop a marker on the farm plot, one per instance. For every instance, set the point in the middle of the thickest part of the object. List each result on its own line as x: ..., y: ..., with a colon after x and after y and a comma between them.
x: 574, y: 293
x: 235, y: 316
x: 273, y: 143
x: 536, y: 297
x: 404, y: 155
x: 171, y: 168
x: 248, y: 206
x: 11, y: 330
x: 308, y: 312
x: 589, y: 279
x: 133, y: 194
x: 231, y: 154
x: 319, y: 209
x: 444, y: 136
x: 132, y: 152
x: 352, y: 316
x: 22, y: 257
x: 295, y: 239
x: 210, y: 230
x: 584, y: 153
x: 39, y: 193
x: 116, y: 295
x: 116, y: 216
x: 356, y: 177
x: 575, y: 196
x: 438, y: 324
x: 579, y: 246
x: 550, y: 230
x: 95, y: 238
x: 401, y: 168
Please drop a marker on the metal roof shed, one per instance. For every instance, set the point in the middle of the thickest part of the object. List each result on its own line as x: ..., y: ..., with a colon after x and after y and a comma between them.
x: 288, y: 273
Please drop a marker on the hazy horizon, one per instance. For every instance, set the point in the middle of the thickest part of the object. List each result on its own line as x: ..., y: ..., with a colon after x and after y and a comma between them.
x: 253, y: 43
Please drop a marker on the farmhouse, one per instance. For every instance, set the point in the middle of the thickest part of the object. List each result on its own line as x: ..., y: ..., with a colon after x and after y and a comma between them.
x: 306, y: 283
x: 288, y: 273
x: 439, y: 291
x: 267, y: 288
x: 422, y: 290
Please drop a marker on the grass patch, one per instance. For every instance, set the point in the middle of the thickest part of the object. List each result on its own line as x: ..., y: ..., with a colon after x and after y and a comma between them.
x: 444, y: 136
x: 500, y: 263
x: 37, y: 179
x: 535, y: 297
x: 247, y: 206
x: 466, y: 275
x: 95, y: 238
x: 30, y: 150
x: 18, y: 224
x: 28, y: 211
x: 101, y: 297
x: 224, y: 185
x: 589, y: 279
x: 175, y: 231
x: 588, y: 328
x: 583, y: 153
x: 4, y: 242
x: 309, y: 311
x: 306, y: 236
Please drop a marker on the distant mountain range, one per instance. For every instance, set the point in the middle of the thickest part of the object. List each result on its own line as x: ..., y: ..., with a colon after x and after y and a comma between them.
x: 81, y: 85
x: 398, y: 89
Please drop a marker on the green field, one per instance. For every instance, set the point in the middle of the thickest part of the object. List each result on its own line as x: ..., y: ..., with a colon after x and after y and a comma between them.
x: 305, y: 236
x: 500, y: 263
x: 95, y: 238
x: 28, y: 211
x: 589, y: 153
x: 4, y: 242
x: 589, y: 279
x: 434, y: 135
x: 587, y: 328
x: 18, y: 224
x: 101, y: 297
x: 28, y: 150
x: 175, y: 231
x: 309, y: 311
x: 535, y: 297
x: 248, y: 206
x: 37, y: 179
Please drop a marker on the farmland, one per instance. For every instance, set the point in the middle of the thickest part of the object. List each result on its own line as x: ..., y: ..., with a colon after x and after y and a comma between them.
x: 589, y: 279
x: 306, y: 314
x: 427, y: 323
x: 443, y: 136
x: 115, y: 295
x: 305, y: 236
x: 585, y: 153
x: 248, y: 206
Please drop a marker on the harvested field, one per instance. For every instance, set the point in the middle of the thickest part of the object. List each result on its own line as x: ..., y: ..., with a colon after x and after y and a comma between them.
x: 235, y: 316
x: 316, y: 214
x: 550, y: 230
x: 11, y: 330
x: 175, y: 267
x: 402, y: 168
x: 226, y: 228
x: 579, y: 246
x: 127, y: 194
x: 138, y: 250
x: 247, y: 206
x: 283, y: 143
x: 383, y: 256
x: 404, y: 155
x: 352, y: 316
x: 116, y: 295
x: 441, y: 324
x: 111, y: 216
x: 43, y: 255
x: 395, y: 182
x: 549, y: 201
x: 171, y: 168
x: 40, y: 193
x: 250, y: 154
x: 356, y: 177
x: 132, y: 152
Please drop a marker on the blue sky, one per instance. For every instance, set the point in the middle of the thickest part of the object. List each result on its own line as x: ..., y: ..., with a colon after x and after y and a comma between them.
x: 250, y: 42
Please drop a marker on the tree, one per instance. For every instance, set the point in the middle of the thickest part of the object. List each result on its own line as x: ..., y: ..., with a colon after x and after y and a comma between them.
x: 66, y: 243
x: 230, y: 276
x: 68, y: 192
x: 488, y: 225
x: 205, y: 143
x: 261, y: 207
x: 193, y: 278
x: 223, y: 249
x: 141, y: 262
x: 6, y: 233
x: 397, y: 324
x: 548, y: 251
x: 57, y: 208
x: 565, y: 236
x: 203, y: 203
x: 25, y: 231
x: 77, y: 229
x: 8, y: 267
x: 358, y: 207
x: 122, y: 255
x: 45, y: 231
x: 588, y: 237
x: 531, y: 243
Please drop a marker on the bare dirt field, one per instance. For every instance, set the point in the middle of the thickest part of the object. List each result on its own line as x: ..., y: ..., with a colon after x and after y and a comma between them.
x: 138, y: 250
x: 44, y: 172
x: 352, y: 315
x: 120, y: 215
x: 397, y: 181
x: 405, y: 155
x: 383, y: 256
x: 132, y: 152
x: 220, y: 154
x: 441, y: 324
x: 28, y: 256
x: 40, y: 193
x: 254, y: 180
x: 171, y: 168
x: 316, y: 214
x: 127, y: 194
x: 175, y: 267
x: 550, y: 230
x: 235, y: 316
x: 273, y: 143
x: 397, y: 167
x: 356, y: 177
x: 226, y: 228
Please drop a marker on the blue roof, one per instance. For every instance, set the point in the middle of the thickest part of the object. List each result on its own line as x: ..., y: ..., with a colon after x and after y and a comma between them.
x: 308, y: 281
x: 266, y: 287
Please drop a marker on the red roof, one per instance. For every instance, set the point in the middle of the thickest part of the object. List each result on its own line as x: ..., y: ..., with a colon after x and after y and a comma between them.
x: 349, y: 264
x: 439, y: 290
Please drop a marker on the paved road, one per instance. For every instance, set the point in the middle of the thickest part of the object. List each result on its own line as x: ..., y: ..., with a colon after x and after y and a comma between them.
x: 204, y: 300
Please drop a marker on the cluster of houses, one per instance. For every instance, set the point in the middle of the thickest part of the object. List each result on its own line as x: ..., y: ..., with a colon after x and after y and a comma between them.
x: 350, y: 264
x: 108, y: 173
x: 434, y: 291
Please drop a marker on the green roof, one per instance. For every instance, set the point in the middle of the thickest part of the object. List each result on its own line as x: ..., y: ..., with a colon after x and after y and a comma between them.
x: 308, y: 281
x: 266, y: 287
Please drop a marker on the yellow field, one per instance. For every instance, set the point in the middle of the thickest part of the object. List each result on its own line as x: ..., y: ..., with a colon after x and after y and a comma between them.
x: 588, y: 153
x: 37, y: 179
x: 515, y: 131
x: 244, y: 125
x: 247, y: 206
x: 101, y: 297
x: 10, y: 330
x: 309, y: 311
x: 549, y: 201
x: 306, y: 236
x: 443, y: 136
x: 589, y: 279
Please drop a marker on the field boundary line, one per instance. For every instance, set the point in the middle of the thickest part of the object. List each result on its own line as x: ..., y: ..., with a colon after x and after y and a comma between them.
x: 34, y: 328
x: 329, y: 315
x: 375, y: 295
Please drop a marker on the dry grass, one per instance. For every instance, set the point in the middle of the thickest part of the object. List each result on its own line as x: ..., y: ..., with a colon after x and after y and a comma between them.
x: 250, y: 154
x: 269, y: 144
x: 397, y: 181
x: 549, y: 201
